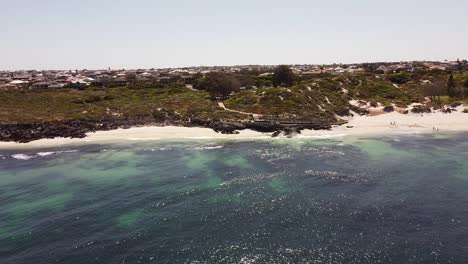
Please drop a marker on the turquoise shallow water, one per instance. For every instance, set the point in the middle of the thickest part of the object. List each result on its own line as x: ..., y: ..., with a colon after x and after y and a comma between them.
x: 356, y: 200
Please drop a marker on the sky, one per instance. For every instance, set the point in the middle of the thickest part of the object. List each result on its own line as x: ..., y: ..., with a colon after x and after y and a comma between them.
x: 97, y: 34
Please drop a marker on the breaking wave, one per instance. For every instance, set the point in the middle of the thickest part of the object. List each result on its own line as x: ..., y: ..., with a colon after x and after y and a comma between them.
x: 209, y: 147
x: 23, y: 156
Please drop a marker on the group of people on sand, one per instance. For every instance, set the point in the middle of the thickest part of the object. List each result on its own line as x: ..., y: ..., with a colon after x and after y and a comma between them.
x: 434, y: 129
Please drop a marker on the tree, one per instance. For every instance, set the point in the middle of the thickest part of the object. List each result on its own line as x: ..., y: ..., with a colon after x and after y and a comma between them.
x: 245, y: 79
x: 198, y: 82
x: 370, y: 67
x: 264, y: 80
x: 218, y: 84
x: 131, y: 77
x: 465, y: 84
x: 434, y: 90
x: 451, y: 87
x: 283, y: 76
x: 465, y: 88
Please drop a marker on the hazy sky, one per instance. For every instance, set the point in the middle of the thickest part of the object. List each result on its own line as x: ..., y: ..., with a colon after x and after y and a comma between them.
x: 91, y: 34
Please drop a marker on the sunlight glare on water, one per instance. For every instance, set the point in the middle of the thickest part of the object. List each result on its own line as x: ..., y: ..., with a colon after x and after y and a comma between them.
x: 350, y: 200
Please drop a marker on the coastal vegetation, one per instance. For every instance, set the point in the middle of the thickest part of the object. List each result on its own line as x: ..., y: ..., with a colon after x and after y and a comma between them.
x: 318, y: 97
x: 159, y: 102
x: 283, y: 76
x: 281, y: 96
x: 218, y: 84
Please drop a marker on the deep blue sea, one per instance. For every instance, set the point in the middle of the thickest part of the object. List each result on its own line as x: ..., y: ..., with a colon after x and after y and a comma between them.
x: 400, y: 199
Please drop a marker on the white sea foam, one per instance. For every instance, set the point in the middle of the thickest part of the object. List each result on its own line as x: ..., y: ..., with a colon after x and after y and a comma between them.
x: 204, y: 137
x: 43, y: 154
x: 209, y: 147
x: 323, y: 136
x: 144, y: 139
x: 68, y: 151
x: 22, y: 156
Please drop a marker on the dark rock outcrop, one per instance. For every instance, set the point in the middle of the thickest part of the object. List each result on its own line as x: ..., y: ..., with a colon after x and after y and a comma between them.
x: 343, y: 112
x: 226, y: 128
x: 276, y: 134
x: 421, y: 110
x: 26, y: 132
x: 389, y: 109
x: 456, y: 104
x: 358, y: 110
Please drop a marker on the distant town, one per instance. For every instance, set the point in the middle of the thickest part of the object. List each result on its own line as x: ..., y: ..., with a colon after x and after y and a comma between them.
x: 79, y: 79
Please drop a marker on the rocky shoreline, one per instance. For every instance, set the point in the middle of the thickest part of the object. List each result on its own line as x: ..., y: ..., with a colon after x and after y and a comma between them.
x: 27, y: 132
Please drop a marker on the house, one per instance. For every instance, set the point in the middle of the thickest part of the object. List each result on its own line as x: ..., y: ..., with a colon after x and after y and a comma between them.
x: 311, y: 72
x: 4, y: 80
x: 120, y: 81
x: 433, y: 66
x: 78, y: 83
x: 145, y: 78
x: 48, y: 85
x: 459, y: 67
x: 164, y: 80
x: 382, y: 69
x: 20, y: 84
x: 8, y: 86
x: 187, y: 79
x: 63, y: 76
x: 354, y: 68
x: 40, y: 85
x: 402, y: 68
x: 22, y: 77
x: 103, y: 80
x: 56, y: 85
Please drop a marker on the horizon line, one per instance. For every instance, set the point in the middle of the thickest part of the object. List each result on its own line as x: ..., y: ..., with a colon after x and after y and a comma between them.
x: 229, y: 65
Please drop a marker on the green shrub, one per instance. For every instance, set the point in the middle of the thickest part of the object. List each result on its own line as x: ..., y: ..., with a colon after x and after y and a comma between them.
x: 400, y: 78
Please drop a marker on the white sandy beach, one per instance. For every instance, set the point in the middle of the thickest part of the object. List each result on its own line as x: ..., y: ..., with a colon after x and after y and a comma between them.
x: 358, y: 125
x: 405, y: 124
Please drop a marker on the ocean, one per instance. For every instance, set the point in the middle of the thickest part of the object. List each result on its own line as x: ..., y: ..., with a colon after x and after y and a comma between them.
x: 399, y: 199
